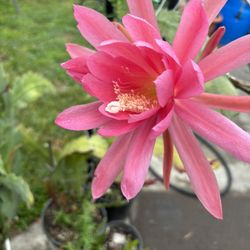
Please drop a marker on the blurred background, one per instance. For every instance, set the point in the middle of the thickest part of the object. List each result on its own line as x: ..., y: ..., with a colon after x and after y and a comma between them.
x: 45, y: 171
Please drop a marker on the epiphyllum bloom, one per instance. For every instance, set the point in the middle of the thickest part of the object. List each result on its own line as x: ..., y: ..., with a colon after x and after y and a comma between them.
x: 146, y: 87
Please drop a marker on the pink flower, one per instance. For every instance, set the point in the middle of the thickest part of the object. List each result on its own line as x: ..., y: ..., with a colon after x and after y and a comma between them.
x: 146, y: 88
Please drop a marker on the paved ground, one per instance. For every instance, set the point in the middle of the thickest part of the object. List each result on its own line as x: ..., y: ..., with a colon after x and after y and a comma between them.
x: 171, y: 221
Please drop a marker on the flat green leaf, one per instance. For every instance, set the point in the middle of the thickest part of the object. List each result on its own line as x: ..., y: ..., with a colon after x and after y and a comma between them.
x: 2, y: 170
x: 79, y: 145
x: 95, y: 144
x: 30, y: 87
x: 168, y: 22
x: 3, y: 79
x: 8, y: 204
x: 18, y: 187
x: 99, y: 146
x: 223, y: 86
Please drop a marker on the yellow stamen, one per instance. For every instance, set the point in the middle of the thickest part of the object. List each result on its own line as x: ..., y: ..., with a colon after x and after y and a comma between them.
x: 132, y: 102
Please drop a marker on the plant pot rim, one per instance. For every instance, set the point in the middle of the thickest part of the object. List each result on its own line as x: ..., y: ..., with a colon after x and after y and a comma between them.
x: 130, y: 228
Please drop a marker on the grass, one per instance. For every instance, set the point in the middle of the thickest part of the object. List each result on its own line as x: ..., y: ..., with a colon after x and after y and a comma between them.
x: 34, y: 39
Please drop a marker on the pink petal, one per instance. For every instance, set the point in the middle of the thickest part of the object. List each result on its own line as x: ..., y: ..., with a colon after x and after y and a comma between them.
x: 119, y: 71
x: 141, y: 30
x: 138, y: 159
x: 192, y: 31
x: 213, y: 7
x: 163, y: 123
x: 153, y: 58
x: 76, y: 67
x: 168, y: 158
x: 234, y: 103
x: 130, y: 52
x: 164, y: 87
x: 197, y: 167
x: 168, y: 50
x: 81, y: 117
x: 213, y: 42
x: 227, y: 58
x: 96, y: 87
x: 76, y: 50
x: 215, y: 128
x: 191, y: 81
x: 143, y: 9
x: 142, y: 116
x: 110, y: 166
x: 95, y: 27
x: 117, y: 128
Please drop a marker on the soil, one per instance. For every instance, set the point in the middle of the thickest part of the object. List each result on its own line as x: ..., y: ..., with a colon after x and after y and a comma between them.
x: 60, y: 232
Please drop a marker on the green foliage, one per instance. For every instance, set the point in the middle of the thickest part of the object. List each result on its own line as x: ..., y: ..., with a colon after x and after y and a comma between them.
x: 72, y: 169
x: 13, y: 191
x: 94, y: 144
x: 81, y: 221
x: 87, y: 236
x: 223, y: 86
x: 34, y: 39
x: 131, y: 245
x: 168, y: 22
x: 32, y: 46
x: 120, y: 8
x: 30, y: 87
x: 69, y: 175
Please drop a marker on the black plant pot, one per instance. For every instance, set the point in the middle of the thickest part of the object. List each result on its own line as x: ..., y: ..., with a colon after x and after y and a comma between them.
x: 119, y: 212
x: 129, y: 230
x: 54, y: 243
x: 116, y: 210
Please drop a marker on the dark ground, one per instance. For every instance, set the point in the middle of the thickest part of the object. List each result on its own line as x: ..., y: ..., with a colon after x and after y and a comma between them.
x: 171, y: 221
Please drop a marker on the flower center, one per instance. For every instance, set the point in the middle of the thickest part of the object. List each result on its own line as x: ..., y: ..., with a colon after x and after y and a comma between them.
x: 131, y: 101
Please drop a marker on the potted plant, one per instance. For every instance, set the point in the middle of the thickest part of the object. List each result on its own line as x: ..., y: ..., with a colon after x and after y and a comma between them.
x: 92, y: 148
x: 72, y: 226
x: 69, y: 217
x: 122, y: 236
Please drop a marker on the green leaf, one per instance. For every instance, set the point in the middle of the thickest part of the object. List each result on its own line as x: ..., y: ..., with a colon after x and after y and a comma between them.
x: 18, y: 187
x: 95, y: 144
x: 70, y: 174
x: 3, y: 79
x: 223, y: 86
x: 30, y: 87
x: 168, y: 22
x: 13, y: 191
x: 8, y: 204
x: 2, y: 170
x: 99, y: 146
x: 79, y: 145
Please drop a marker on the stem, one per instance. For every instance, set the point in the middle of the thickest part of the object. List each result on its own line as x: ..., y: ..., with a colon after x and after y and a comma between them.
x: 160, y: 7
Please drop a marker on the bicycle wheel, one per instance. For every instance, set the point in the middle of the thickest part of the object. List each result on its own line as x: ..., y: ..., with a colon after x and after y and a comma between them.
x: 179, y: 180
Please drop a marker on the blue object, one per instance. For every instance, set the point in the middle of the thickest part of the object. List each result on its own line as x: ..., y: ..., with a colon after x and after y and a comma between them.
x: 236, y: 19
